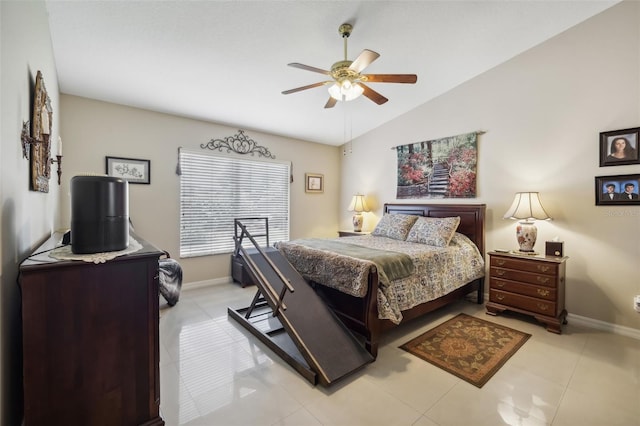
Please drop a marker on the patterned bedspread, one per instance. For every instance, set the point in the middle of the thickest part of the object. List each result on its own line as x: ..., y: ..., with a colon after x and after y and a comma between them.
x: 437, y: 270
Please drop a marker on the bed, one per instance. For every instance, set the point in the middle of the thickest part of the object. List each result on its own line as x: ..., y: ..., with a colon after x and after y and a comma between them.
x: 363, y: 307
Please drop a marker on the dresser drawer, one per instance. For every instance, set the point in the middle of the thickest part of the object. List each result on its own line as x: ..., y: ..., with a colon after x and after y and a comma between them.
x: 525, y: 265
x: 538, y: 291
x: 526, y: 303
x: 527, y: 277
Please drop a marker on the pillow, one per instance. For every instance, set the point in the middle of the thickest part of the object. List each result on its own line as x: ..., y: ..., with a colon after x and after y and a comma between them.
x: 434, y: 231
x: 395, y: 226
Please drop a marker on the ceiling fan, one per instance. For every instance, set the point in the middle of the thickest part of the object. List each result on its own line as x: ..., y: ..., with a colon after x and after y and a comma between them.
x: 348, y: 82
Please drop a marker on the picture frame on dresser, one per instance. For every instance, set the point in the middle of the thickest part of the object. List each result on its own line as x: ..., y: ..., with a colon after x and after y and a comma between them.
x: 621, y: 190
x: 619, y: 147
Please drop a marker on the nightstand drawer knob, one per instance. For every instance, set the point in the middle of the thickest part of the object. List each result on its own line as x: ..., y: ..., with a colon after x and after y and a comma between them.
x: 500, y: 283
x: 542, y: 280
x: 501, y: 262
x: 542, y: 292
x: 543, y: 268
x: 543, y: 306
x: 500, y: 272
x: 500, y: 296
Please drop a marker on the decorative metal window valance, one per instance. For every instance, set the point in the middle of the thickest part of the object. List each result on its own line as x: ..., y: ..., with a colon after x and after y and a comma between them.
x: 240, y: 144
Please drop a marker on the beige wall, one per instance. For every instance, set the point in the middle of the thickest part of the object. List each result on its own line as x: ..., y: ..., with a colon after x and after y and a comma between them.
x: 542, y: 113
x: 92, y: 130
x: 27, y: 216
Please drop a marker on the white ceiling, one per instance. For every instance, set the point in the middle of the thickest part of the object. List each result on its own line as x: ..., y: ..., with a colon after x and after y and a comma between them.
x: 226, y: 61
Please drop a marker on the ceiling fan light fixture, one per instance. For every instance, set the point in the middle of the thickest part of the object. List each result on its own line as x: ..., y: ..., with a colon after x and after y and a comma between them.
x: 348, y: 80
x: 345, y: 90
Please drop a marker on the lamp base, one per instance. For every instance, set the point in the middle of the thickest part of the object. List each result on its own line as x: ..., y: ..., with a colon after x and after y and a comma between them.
x: 357, y: 222
x: 526, y: 233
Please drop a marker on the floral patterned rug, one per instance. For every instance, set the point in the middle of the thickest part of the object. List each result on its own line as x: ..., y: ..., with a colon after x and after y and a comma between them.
x: 468, y: 347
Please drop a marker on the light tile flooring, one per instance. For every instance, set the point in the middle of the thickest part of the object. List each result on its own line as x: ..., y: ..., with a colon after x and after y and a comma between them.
x: 213, y: 372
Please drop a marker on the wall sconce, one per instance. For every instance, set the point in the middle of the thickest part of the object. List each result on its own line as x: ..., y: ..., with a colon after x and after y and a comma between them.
x: 59, y: 161
x: 358, y: 205
x: 27, y: 141
x: 527, y: 206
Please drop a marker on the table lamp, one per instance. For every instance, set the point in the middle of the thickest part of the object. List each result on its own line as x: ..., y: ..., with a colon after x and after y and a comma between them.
x: 527, y: 207
x: 358, y: 205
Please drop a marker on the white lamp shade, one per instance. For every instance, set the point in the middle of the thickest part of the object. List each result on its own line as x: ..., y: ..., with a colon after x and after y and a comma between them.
x: 358, y: 204
x: 527, y: 205
x: 345, y: 91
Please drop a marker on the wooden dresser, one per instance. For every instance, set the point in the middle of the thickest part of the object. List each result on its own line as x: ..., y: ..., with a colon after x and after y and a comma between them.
x: 532, y: 285
x: 90, y: 339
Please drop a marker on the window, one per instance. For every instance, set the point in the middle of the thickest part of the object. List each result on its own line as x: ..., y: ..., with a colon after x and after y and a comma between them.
x: 214, y: 190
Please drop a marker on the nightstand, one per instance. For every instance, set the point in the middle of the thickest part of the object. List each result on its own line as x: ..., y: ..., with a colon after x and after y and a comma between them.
x: 528, y: 284
x: 351, y: 233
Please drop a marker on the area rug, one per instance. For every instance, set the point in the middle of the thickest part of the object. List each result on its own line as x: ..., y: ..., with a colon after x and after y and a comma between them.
x: 468, y: 347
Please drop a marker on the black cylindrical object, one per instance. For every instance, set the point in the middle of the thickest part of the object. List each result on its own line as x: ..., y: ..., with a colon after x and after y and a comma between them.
x: 99, y: 214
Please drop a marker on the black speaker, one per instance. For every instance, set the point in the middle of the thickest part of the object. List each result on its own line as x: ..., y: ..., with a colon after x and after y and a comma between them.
x: 99, y: 214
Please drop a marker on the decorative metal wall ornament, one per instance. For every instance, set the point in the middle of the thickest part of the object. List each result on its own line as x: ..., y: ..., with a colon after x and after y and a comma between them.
x: 240, y: 144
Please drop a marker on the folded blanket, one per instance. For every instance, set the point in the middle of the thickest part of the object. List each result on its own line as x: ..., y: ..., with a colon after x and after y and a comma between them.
x: 170, y: 280
x: 394, y: 265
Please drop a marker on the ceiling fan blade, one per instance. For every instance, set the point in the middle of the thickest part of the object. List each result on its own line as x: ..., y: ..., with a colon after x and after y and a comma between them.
x: 331, y: 102
x: 391, y: 78
x: 363, y: 60
x: 309, y: 68
x: 373, y: 95
x: 310, y: 86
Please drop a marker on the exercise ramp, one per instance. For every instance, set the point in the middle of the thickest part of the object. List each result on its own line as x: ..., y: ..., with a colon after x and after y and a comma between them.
x: 292, y: 320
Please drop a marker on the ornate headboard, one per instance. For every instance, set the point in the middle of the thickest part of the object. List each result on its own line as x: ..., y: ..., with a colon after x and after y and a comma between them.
x: 471, y: 217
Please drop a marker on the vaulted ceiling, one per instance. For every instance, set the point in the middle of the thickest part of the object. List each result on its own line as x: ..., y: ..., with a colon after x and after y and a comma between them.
x: 226, y: 61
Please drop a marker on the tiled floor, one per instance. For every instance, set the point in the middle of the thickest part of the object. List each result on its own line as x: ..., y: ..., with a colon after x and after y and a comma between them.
x: 213, y: 372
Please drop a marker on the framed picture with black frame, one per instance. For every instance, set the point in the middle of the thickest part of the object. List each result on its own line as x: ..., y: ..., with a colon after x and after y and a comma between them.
x: 621, y: 190
x: 131, y: 169
x: 619, y: 147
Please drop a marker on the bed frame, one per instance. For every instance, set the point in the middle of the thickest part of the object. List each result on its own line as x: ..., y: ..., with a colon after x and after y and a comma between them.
x: 361, y: 314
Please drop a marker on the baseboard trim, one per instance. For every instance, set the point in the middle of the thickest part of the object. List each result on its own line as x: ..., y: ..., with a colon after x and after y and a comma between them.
x: 604, y: 326
x: 206, y: 283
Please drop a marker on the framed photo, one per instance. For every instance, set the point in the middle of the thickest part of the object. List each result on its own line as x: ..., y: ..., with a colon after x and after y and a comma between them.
x: 313, y: 182
x: 619, y: 147
x: 619, y: 190
x: 131, y: 169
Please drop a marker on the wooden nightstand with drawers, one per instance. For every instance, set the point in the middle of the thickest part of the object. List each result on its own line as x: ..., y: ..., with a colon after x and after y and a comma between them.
x: 532, y: 285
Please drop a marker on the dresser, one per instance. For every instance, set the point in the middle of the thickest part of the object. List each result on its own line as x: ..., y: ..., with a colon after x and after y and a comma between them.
x: 90, y: 339
x: 532, y: 285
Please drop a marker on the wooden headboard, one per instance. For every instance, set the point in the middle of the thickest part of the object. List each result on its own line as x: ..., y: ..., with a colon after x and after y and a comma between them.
x: 471, y: 217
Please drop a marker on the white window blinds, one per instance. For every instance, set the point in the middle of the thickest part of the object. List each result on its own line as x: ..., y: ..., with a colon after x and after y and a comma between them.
x: 214, y: 190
